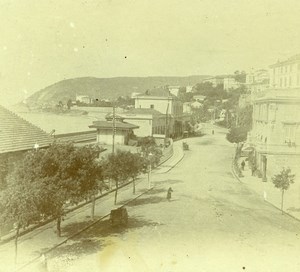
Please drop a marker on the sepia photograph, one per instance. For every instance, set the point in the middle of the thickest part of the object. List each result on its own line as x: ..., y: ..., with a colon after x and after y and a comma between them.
x: 149, y: 136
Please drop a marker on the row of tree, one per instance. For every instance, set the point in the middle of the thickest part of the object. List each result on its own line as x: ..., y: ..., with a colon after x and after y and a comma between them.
x: 46, y: 181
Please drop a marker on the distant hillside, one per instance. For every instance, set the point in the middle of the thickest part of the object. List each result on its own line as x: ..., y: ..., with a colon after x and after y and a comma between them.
x: 105, y: 88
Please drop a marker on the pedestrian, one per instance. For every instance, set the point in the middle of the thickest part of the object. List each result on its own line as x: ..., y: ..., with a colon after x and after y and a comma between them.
x: 43, y: 263
x: 243, y: 165
x: 212, y: 132
x: 169, y: 194
x: 253, y: 169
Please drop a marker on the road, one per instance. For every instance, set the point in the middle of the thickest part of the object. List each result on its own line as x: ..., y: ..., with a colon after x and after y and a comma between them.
x: 213, y: 223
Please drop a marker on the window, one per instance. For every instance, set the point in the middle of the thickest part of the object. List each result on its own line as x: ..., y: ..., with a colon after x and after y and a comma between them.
x: 152, y: 106
x: 290, y: 81
x: 290, y: 133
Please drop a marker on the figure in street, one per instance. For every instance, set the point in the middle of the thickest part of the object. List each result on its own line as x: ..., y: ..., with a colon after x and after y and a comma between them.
x: 243, y: 165
x: 169, y: 194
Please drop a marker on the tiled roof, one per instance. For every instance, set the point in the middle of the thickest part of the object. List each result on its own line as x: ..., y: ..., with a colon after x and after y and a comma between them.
x: 17, y: 134
x: 77, y: 137
x: 109, y: 125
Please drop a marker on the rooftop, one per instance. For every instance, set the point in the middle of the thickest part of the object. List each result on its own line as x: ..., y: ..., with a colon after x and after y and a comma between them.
x: 292, y: 59
x: 144, y: 111
x: 109, y: 125
x: 17, y: 134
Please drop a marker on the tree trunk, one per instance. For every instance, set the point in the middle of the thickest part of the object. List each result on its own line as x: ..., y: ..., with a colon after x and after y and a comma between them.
x: 282, y: 193
x: 116, y: 192
x: 93, y: 206
x: 133, y: 183
x: 16, y: 242
x: 58, y: 228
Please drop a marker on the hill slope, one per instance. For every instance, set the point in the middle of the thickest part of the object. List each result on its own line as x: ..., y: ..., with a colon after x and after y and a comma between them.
x: 105, y: 88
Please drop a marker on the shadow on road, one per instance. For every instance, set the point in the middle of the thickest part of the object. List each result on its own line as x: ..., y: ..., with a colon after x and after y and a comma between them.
x: 93, y: 239
x: 168, y: 182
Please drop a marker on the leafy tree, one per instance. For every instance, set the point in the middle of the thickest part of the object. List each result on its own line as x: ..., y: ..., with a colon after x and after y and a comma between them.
x: 69, y: 104
x: 63, y: 173
x: 282, y: 181
x: 237, y: 134
x: 135, y: 166
x: 19, y: 205
x: 116, y: 168
x: 3, y: 170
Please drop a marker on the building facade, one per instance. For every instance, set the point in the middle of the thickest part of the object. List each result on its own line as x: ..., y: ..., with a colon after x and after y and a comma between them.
x: 275, y: 134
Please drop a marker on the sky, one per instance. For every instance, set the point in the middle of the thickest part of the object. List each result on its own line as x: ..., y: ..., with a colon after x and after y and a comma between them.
x: 42, y: 42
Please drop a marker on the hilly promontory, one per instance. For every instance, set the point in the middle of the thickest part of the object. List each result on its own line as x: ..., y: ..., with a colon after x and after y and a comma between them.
x: 106, y: 88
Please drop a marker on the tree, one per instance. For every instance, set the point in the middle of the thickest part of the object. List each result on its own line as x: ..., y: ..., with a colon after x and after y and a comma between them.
x: 237, y: 134
x: 62, y: 174
x: 282, y: 181
x: 116, y: 168
x: 19, y: 205
x: 135, y: 166
x: 69, y: 104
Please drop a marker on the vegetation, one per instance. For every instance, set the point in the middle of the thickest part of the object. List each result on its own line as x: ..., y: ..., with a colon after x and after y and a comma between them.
x: 237, y: 134
x: 282, y: 181
x: 57, y: 175
x: 104, y: 88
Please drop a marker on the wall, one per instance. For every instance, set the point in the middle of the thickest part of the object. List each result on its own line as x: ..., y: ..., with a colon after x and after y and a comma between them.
x: 105, y: 137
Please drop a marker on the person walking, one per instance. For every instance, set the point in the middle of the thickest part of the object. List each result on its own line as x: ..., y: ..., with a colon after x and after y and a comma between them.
x: 169, y: 194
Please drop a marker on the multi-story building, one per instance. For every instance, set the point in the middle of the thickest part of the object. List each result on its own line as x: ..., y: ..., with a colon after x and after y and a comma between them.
x: 163, y: 101
x: 215, y: 81
x: 275, y: 134
x: 257, y: 82
x: 231, y: 83
x: 286, y: 74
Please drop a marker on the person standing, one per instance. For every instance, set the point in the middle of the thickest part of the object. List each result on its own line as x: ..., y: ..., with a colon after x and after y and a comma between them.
x: 243, y: 165
x: 169, y: 194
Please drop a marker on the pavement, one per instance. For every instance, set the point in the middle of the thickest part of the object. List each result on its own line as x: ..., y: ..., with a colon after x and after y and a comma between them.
x: 213, y: 223
x: 42, y: 240
x: 268, y: 192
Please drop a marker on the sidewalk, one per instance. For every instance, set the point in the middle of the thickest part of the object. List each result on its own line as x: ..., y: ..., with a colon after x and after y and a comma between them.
x: 44, y: 238
x: 272, y: 195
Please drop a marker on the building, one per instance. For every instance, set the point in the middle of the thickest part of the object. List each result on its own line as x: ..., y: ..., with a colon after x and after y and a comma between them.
x: 257, y: 82
x: 286, y: 74
x: 275, y: 134
x: 83, y: 99
x: 164, y: 102
x: 189, y: 89
x: 121, y: 130
x: 150, y: 122
x: 18, y: 136
x: 174, y: 90
x: 215, y: 81
x: 231, y: 84
x: 199, y: 98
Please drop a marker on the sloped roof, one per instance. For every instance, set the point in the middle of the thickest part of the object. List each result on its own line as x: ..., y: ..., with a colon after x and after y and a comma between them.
x: 144, y: 111
x: 109, y: 125
x: 17, y: 134
x: 158, y: 92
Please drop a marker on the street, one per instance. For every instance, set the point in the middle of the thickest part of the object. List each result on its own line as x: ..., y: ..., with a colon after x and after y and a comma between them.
x: 212, y: 223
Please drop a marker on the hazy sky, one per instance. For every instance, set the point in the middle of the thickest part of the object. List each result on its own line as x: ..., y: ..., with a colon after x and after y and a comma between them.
x: 42, y: 42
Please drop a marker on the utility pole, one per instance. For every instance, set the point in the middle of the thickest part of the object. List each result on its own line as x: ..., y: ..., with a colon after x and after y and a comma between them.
x: 113, y: 128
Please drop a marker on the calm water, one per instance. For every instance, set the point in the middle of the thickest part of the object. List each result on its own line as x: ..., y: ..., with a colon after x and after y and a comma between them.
x: 61, y: 123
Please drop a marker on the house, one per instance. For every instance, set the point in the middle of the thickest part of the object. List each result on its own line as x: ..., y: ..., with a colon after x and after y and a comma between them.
x: 150, y: 122
x: 174, y: 90
x: 166, y: 103
x: 108, y: 128
x: 18, y: 136
x: 84, y: 99
x: 231, y: 84
x: 215, y: 81
x: 275, y: 134
x: 199, y: 98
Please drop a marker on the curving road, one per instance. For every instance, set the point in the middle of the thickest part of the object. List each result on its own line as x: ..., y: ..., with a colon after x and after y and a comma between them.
x: 213, y: 223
